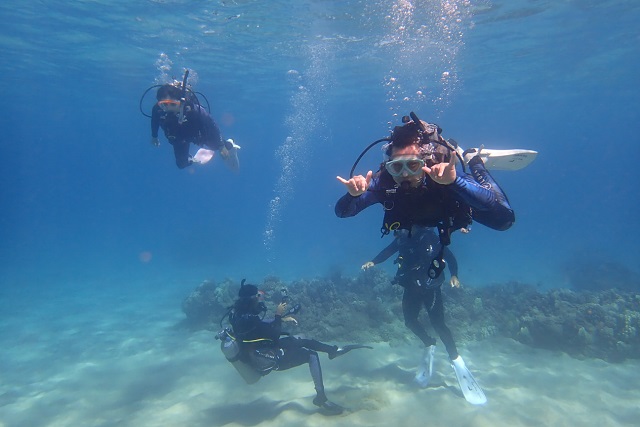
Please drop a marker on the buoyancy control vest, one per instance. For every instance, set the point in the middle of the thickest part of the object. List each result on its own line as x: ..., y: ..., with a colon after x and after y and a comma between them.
x: 429, y: 205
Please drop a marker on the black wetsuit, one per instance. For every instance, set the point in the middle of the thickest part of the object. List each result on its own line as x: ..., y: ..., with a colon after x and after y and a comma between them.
x: 198, y: 128
x: 262, y: 348
x: 415, y: 253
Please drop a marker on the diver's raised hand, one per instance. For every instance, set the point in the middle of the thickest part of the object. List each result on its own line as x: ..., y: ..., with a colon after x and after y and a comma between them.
x: 358, y: 184
x: 443, y: 173
x: 155, y: 142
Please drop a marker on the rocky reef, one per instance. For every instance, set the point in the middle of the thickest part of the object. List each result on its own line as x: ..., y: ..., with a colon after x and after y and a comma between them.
x: 602, y: 324
x: 581, y: 323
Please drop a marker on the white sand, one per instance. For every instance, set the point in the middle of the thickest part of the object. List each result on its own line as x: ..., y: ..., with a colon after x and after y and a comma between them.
x: 73, y: 362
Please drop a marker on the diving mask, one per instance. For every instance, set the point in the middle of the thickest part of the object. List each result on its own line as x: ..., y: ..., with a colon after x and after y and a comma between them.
x: 410, y: 166
x: 170, y: 105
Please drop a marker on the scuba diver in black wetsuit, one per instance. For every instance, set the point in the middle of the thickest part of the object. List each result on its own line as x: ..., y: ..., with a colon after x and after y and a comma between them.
x: 415, y: 254
x: 185, y: 121
x: 264, y: 350
x: 419, y: 185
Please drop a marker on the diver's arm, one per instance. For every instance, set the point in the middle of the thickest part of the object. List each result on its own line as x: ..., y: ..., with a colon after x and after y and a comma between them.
x: 488, y: 209
x: 349, y: 205
x: 155, y: 121
x: 452, y: 262
x: 384, y: 254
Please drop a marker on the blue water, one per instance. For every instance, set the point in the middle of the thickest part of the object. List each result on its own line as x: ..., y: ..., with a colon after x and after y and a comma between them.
x: 85, y: 197
x: 101, y: 236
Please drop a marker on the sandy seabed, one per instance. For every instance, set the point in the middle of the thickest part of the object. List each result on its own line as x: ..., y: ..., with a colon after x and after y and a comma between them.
x: 69, y: 362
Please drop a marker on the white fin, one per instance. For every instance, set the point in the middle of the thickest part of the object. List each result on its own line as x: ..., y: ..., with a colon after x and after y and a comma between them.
x: 506, y: 160
x: 232, y: 160
x: 470, y: 388
x: 203, y: 156
x: 425, y: 370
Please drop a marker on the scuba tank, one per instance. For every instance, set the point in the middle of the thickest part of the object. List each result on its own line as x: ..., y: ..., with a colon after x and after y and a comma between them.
x: 231, y: 351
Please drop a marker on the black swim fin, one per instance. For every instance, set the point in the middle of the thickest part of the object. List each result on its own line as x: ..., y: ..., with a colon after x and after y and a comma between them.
x: 346, y: 349
x: 327, y: 407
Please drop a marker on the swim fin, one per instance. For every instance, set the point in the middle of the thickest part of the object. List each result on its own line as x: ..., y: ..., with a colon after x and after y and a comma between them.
x: 203, y: 156
x: 470, y: 388
x: 327, y: 407
x: 425, y: 371
x: 507, y: 160
x: 231, y: 159
x: 346, y: 349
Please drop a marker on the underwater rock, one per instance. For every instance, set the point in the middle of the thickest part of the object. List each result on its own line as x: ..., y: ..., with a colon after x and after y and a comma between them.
x: 200, y: 305
x: 208, y: 302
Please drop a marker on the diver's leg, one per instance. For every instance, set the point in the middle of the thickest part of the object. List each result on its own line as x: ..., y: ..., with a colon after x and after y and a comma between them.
x: 316, y: 375
x: 435, y: 308
x: 332, y: 350
x: 181, y: 153
x: 411, y: 303
x: 312, y: 344
x: 292, y: 354
x: 482, y: 176
x: 327, y: 407
x: 501, y: 217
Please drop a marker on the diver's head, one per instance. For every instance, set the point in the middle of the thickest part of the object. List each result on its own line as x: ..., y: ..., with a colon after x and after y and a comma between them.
x: 250, y: 299
x: 405, y: 165
x: 169, y: 91
x: 413, y: 146
x: 168, y: 97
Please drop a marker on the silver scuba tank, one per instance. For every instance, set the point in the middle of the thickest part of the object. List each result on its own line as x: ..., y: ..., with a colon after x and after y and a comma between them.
x: 231, y: 351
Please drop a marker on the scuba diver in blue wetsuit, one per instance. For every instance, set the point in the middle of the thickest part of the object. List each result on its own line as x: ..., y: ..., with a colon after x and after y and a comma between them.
x: 185, y: 121
x: 419, y: 185
x: 262, y: 347
x: 415, y: 254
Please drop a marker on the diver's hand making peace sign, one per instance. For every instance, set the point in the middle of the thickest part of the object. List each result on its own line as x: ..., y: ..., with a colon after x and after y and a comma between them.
x: 443, y: 173
x: 358, y: 184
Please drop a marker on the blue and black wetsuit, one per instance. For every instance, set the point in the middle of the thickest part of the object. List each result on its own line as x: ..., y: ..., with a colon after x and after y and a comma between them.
x: 448, y: 207
x: 478, y: 197
x: 198, y: 128
x: 415, y: 251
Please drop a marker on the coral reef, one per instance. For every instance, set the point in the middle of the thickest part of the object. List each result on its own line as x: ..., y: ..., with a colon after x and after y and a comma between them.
x: 367, y: 308
x: 206, y: 304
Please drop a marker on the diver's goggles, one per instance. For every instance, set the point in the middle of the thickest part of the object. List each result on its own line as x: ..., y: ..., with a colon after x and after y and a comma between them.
x: 410, y: 166
x: 169, y: 104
